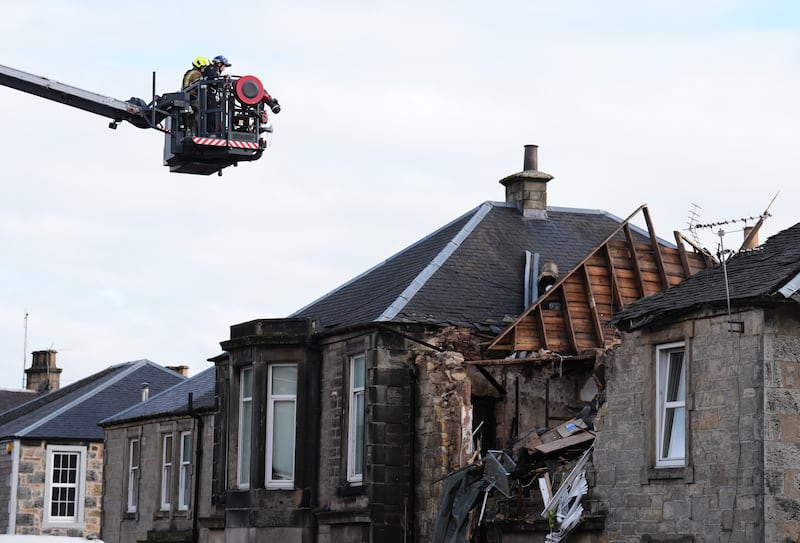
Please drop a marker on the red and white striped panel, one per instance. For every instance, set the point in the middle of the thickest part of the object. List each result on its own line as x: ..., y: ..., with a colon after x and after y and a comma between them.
x: 225, y: 143
x: 243, y: 144
x: 210, y: 141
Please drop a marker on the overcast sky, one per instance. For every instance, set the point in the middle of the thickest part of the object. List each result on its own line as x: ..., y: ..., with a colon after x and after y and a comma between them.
x: 397, y: 118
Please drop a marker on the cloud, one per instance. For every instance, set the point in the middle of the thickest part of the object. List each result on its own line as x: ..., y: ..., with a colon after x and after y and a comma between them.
x: 397, y: 118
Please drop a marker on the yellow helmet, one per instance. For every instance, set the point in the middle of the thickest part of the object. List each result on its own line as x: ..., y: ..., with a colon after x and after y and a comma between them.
x: 201, y: 62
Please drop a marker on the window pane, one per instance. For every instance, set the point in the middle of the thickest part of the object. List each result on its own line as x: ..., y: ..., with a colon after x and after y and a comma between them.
x: 358, y: 467
x: 284, y: 380
x: 358, y: 371
x: 244, y: 443
x: 676, y: 389
x: 674, y: 444
x: 186, y: 449
x: 247, y: 383
x: 283, y: 440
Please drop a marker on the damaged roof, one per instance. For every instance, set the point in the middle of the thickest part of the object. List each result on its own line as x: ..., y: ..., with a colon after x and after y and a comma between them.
x: 765, y: 275
x: 470, y: 272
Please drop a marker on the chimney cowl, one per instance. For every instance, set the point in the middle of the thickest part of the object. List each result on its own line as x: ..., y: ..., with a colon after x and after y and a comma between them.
x: 528, y: 189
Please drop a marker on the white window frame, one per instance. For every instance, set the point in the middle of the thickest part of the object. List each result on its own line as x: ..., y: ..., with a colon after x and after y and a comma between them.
x: 272, y: 400
x: 243, y: 461
x: 356, y: 423
x: 664, y: 407
x: 166, y: 470
x: 185, y: 478
x: 72, y: 521
x: 133, y: 474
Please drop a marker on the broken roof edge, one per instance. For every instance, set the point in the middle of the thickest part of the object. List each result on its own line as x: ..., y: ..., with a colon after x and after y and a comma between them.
x: 528, y: 310
x: 385, y: 260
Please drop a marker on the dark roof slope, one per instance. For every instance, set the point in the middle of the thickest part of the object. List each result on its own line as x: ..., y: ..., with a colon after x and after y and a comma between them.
x: 469, y: 272
x: 10, y: 398
x: 753, y: 277
x: 72, y: 412
x: 173, y: 401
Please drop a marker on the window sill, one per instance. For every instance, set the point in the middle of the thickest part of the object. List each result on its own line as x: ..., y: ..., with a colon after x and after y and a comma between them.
x: 351, y: 489
x: 685, y: 473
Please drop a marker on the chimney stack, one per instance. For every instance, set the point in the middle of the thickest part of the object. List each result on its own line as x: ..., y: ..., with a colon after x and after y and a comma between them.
x: 528, y: 188
x: 43, y: 375
x: 183, y: 370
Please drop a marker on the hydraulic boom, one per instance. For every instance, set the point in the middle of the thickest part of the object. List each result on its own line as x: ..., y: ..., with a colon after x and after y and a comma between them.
x: 221, y: 127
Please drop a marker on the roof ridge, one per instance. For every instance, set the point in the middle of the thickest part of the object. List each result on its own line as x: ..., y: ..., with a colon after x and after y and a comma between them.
x: 80, y: 399
x: 385, y: 260
x: 438, y: 261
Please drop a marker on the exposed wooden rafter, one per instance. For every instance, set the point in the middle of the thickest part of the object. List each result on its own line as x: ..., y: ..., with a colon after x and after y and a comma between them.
x: 574, y: 314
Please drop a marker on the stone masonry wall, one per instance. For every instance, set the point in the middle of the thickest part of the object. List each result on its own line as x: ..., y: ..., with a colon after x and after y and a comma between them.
x: 718, y: 496
x: 31, y: 493
x: 444, y: 411
x: 380, y: 505
x: 782, y: 427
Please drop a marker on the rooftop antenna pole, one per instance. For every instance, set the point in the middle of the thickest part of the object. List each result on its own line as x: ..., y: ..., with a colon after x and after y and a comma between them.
x: 693, y: 216
x: 722, y: 258
x: 25, y: 349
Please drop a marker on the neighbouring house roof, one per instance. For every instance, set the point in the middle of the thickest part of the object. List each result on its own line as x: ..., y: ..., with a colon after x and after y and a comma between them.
x: 172, y: 402
x: 764, y: 275
x: 10, y: 398
x: 72, y: 412
x: 470, y: 272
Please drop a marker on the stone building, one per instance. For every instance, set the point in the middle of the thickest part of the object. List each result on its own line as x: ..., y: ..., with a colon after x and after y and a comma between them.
x: 700, y: 438
x: 52, y: 471
x: 157, y: 477
x: 338, y: 423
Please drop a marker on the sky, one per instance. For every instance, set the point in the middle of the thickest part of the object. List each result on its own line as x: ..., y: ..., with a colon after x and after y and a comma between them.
x: 397, y: 118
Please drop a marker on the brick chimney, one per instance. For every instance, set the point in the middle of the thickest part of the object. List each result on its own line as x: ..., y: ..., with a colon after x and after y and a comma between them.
x: 528, y: 188
x: 43, y: 375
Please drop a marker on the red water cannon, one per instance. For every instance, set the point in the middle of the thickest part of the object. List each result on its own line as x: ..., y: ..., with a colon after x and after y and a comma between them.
x: 250, y: 91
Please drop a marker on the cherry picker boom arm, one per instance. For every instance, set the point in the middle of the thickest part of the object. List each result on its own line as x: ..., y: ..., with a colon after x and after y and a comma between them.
x: 210, y: 125
x: 114, y: 109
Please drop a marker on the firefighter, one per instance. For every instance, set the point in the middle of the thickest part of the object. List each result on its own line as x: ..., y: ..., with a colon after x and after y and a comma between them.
x: 195, y: 72
x: 213, y: 103
x: 192, y: 75
x: 216, y: 67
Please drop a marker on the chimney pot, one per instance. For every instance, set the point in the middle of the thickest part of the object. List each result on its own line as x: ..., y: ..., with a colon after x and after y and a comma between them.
x: 752, y: 242
x: 531, y: 161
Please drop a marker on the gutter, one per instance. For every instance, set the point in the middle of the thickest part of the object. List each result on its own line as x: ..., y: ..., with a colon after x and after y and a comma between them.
x: 198, y: 457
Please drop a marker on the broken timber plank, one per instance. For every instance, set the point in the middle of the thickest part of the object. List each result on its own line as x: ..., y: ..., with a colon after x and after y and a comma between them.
x: 565, y: 443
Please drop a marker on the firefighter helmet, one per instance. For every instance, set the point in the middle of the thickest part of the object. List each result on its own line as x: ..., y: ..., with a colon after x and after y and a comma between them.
x: 201, y: 62
x: 221, y: 60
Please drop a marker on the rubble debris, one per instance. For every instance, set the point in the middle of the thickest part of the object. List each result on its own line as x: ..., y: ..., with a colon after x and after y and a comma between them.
x: 566, y: 505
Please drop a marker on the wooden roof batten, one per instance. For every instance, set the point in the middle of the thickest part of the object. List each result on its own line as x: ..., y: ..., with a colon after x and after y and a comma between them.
x: 573, y: 316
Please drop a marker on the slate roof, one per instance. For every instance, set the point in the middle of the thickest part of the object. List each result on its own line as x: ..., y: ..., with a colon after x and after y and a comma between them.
x: 754, y: 277
x: 469, y: 272
x: 72, y: 412
x: 174, y: 401
x: 10, y: 398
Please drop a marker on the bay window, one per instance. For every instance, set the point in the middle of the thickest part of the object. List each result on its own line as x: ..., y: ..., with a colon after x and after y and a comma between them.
x: 281, y: 411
